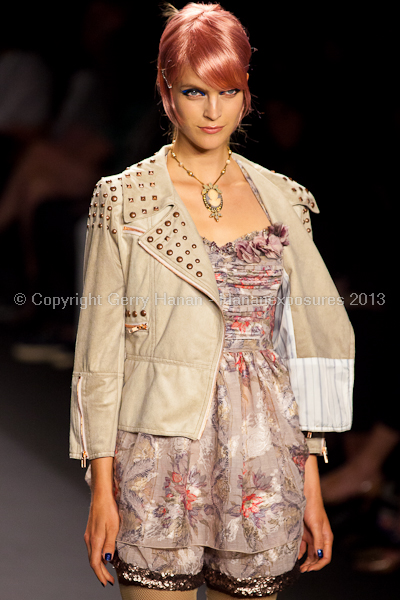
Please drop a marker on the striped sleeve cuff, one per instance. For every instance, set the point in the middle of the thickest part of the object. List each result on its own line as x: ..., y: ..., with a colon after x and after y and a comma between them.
x: 323, y: 391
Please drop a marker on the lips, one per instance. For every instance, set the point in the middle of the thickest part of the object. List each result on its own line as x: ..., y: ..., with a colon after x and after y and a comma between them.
x: 211, y: 129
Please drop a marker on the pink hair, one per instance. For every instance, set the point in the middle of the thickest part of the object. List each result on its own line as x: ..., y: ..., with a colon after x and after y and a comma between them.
x: 213, y: 43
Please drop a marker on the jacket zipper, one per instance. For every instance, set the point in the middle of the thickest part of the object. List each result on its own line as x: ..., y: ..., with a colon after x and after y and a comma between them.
x: 223, y: 337
x: 131, y: 328
x: 135, y: 230
x: 83, y: 436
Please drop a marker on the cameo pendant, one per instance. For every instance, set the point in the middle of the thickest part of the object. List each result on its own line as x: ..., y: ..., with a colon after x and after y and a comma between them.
x: 212, y: 198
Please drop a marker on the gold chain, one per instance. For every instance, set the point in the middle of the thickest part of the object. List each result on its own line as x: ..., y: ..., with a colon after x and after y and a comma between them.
x: 210, y: 201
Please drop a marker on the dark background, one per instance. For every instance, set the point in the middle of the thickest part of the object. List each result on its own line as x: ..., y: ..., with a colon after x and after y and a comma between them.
x: 327, y: 114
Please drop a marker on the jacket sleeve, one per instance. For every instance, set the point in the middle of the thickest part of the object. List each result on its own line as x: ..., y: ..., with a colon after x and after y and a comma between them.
x: 322, y: 386
x: 100, y: 344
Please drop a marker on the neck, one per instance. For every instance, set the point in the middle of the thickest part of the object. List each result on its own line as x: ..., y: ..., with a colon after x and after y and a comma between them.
x: 206, y: 164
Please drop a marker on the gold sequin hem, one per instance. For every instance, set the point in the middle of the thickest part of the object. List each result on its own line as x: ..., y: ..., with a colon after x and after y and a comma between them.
x: 250, y: 587
x: 246, y: 587
x: 132, y: 575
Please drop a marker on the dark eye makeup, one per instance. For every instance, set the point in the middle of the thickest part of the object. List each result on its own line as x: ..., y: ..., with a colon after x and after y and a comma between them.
x: 192, y: 92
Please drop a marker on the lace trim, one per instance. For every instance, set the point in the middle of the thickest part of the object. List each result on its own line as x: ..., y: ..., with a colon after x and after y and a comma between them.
x: 249, y: 587
x: 246, y: 587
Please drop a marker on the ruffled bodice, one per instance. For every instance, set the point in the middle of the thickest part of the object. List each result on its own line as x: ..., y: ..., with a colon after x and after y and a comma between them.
x: 248, y: 273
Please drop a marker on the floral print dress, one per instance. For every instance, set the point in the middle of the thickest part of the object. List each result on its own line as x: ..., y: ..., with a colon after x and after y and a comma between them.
x: 239, y: 488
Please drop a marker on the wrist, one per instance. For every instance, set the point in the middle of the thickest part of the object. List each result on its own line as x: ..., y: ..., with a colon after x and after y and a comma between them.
x: 312, y: 486
x: 102, y: 496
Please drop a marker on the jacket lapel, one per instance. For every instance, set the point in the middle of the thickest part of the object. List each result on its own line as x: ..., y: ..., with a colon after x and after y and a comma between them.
x: 172, y: 237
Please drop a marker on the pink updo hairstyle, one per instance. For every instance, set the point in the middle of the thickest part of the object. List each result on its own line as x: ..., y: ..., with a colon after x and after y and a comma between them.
x: 212, y: 42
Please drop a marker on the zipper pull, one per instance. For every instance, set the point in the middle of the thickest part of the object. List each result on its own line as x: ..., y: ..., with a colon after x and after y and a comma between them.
x: 325, y: 453
x: 83, y: 459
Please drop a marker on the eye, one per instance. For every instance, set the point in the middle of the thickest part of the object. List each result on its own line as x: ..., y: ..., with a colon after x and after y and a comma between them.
x: 192, y: 93
x: 231, y: 92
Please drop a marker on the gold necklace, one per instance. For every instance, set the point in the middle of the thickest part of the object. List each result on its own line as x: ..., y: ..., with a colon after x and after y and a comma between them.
x: 211, y: 194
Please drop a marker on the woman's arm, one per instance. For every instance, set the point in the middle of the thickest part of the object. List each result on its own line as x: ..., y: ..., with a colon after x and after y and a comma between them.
x: 317, y: 531
x: 103, y: 522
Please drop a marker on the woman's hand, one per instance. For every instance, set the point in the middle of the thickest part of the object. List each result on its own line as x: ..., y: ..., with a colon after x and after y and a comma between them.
x: 317, y: 534
x: 103, y: 522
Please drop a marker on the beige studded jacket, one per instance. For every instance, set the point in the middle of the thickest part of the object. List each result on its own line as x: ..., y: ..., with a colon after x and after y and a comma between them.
x: 151, y: 327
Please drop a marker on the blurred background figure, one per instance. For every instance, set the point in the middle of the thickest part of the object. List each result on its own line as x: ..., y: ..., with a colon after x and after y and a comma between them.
x: 44, y: 199
x: 25, y: 101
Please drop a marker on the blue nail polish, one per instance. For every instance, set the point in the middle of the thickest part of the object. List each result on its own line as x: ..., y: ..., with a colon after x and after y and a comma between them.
x: 107, y: 556
x: 320, y: 553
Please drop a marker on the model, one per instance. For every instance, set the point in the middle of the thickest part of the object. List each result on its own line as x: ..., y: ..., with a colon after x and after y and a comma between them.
x: 212, y: 338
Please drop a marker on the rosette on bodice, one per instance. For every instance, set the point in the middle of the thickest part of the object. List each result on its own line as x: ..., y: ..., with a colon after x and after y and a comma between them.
x: 269, y: 242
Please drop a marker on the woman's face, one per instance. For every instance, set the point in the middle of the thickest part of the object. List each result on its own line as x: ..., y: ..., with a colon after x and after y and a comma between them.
x: 208, y: 115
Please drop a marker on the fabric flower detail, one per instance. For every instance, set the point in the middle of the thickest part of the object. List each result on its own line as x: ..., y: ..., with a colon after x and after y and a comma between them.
x: 247, y: 252
x: 269, y: 243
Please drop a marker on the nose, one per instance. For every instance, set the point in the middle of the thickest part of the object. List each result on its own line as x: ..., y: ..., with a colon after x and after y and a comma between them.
x: 212, y: 109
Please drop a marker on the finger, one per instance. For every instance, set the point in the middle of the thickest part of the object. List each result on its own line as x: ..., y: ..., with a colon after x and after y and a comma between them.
x: 318, y: 546
x: 310, y: 558
x: 109, y: 543
x: 108, y: 552
x: 303, y: 548
x: 326, y: 557
x: 96, y: 563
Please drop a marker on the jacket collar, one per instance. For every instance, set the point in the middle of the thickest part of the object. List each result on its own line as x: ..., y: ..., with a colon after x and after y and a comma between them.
x: 152, y: 203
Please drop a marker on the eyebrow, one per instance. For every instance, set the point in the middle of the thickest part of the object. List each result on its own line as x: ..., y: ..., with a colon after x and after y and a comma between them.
x: 191, y: 85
